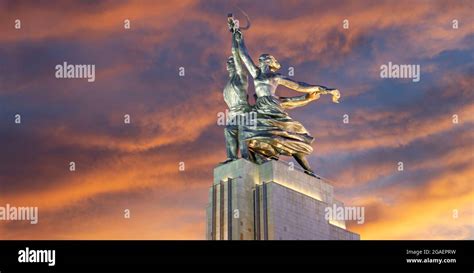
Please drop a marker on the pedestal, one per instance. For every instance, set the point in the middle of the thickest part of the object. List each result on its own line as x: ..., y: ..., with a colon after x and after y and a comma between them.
x: 271, y: 201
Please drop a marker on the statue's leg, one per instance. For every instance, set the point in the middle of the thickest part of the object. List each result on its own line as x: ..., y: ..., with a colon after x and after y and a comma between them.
x: 243, y: 145
x: 231, y: 141
x: 301, y: 159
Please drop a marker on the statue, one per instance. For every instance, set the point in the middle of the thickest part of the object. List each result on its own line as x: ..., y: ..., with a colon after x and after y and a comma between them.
x: 275, y: 133
x: 236, y: 98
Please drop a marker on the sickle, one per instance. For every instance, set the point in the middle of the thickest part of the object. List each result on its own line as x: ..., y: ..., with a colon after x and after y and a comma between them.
x: 247, y: 18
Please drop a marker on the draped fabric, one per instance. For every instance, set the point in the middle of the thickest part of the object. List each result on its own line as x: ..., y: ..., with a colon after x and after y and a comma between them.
x: 276, y: 133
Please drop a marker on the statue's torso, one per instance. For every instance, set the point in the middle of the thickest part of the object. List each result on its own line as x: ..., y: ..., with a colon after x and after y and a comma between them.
x: 235, y: 95
x: 265, y: 85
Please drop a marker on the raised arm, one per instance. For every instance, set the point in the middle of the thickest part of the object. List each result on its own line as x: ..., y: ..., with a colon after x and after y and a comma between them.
x: 244, y: 55
x: 240, y: 70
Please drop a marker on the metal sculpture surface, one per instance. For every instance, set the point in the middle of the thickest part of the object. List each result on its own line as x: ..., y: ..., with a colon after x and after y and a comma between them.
x: 275, y: 133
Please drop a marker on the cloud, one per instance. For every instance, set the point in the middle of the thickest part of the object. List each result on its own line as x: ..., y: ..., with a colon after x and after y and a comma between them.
x: 174, y: 118
x: 423, y: 212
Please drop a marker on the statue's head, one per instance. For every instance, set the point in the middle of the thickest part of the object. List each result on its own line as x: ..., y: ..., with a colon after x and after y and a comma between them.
x: 230, y: 64
x: 267, y: 60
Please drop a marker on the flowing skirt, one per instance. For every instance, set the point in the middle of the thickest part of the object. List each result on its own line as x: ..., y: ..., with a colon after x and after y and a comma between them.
x: 276, y: 133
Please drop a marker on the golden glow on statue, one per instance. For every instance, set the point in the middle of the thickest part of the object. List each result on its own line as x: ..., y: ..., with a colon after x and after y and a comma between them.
x: 275, y: 133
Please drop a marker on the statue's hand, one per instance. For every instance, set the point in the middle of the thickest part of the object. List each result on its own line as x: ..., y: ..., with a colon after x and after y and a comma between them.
x: 335, y: 95
x: 231, y: 24
x: 312, y: 96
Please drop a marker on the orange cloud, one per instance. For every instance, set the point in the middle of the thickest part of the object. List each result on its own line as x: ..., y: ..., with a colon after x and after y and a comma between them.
x: 396, y: 128
x: 145, y: 163
x: 421, y: 212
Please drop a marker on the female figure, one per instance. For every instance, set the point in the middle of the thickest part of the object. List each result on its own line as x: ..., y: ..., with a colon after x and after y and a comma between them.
x: 276, y: 132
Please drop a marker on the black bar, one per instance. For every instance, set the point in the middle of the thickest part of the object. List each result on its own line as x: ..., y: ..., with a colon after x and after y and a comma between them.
x: 243, y: 256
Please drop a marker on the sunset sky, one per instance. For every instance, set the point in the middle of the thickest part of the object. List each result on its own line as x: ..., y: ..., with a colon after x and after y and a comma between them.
x: 174, y: 119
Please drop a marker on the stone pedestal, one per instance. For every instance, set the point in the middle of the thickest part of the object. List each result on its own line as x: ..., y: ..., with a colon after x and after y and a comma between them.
x: 271, y: 201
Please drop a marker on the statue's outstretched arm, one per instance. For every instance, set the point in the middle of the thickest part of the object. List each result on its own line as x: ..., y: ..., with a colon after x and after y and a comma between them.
x: 301, y: 86
x: 298, y: 101
x: 308, y: 88
x: 244, y: 55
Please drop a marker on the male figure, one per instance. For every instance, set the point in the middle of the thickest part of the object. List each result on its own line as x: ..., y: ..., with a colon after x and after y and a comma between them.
x: 236, y: 98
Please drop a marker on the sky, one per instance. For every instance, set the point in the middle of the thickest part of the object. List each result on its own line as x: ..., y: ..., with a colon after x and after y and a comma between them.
x: 136, y: 166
